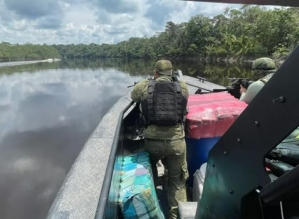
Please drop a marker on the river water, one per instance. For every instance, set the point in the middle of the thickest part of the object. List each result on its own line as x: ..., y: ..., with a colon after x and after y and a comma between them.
x: 47, y: 112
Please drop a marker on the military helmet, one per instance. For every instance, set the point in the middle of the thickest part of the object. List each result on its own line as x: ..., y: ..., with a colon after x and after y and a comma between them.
x: 264, y: 64
x: 163, y: 67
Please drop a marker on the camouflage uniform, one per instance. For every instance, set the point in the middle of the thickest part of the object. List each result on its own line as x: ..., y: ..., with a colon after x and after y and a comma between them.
x: 260, y: 66
x: 166, y: 142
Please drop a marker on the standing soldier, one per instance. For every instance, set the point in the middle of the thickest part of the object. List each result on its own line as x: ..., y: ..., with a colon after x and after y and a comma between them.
x: 163, y: 104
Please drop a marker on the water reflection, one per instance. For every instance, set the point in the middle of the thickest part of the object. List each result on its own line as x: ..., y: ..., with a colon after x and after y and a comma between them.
x: 215, y: 72
x: 47, y: 112
x: 46, y: 117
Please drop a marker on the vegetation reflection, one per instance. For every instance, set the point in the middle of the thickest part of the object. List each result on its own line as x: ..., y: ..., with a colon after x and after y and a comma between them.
x: 215, y: 72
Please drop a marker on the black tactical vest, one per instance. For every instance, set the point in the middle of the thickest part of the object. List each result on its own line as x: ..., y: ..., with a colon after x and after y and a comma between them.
x: 164, y: 105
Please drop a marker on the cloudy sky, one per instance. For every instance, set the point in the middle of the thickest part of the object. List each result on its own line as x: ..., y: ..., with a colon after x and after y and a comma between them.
x: 93, y: 21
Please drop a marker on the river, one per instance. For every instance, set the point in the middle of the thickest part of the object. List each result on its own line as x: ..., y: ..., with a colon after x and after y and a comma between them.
x: 48, y: 111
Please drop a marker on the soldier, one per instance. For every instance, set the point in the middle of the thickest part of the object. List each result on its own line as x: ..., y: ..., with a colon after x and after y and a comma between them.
x: 262, y: 66
x: 163, y: 103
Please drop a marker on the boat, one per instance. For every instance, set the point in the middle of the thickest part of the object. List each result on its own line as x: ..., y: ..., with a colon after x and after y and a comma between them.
x: 236, y: 183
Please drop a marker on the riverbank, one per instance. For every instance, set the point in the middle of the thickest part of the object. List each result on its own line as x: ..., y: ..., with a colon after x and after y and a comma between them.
x: 10, y: 63
x: 225, y: 59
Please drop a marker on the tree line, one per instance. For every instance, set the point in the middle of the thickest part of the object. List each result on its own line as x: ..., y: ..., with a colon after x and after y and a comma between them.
x: 236, y: 33
x: 17, y: 52
x: 218, y: 74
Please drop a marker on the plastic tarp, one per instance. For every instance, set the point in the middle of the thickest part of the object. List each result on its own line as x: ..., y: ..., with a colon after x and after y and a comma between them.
x: 138, y: 198
x: 210, y: 115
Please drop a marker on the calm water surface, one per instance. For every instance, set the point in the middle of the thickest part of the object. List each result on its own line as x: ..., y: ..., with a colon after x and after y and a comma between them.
x: 47, y: 112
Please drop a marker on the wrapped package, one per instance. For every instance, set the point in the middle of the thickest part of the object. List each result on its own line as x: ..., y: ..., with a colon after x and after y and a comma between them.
x: 210, y: 115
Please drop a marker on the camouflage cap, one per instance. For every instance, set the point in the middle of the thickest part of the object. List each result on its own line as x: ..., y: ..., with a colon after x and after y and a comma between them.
x: 264, y: 64
x: 163, y: 67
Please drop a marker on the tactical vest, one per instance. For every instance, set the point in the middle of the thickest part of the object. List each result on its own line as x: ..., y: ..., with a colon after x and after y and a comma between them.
x: 165, y: 104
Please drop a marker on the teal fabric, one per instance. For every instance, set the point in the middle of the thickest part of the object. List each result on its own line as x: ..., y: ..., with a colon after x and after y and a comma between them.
x: 138, y: 198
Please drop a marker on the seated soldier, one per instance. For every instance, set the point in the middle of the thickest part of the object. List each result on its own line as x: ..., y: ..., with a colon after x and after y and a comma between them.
x: 264, y: 67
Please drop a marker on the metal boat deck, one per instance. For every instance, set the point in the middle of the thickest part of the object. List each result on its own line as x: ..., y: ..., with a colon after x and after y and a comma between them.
x: 195, y: 83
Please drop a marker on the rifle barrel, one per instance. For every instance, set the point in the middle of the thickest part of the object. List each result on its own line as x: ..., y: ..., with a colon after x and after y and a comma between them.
x: 220, y: 90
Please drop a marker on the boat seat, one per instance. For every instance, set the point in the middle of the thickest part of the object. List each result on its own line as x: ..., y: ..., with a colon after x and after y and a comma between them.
x: 187, y: 210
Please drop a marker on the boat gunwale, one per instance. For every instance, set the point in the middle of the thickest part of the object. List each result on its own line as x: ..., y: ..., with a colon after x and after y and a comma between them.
x: 101, y: 208
x: 79, y: 193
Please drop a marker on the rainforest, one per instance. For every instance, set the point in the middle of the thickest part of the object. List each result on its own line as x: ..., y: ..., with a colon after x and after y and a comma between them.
x: 236, y: 34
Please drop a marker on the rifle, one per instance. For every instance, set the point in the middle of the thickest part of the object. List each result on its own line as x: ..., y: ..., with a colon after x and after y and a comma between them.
x: 245, y: 82
x: 132, y: 85
x: 234, y: 88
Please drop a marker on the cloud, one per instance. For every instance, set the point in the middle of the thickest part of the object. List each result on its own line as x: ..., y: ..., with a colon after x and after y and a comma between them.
x: 49, y: 22
x: 95, y: 21
x: 117, y: 6
x: 33, y: 9
x: 20, y: 15
x: 160, y: 11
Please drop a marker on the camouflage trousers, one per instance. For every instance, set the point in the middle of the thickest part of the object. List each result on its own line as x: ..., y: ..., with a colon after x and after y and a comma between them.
x: 173, y: 153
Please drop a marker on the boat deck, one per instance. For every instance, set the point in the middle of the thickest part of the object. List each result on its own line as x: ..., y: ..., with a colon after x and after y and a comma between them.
x: 80, y: 192
x: 194, y: 84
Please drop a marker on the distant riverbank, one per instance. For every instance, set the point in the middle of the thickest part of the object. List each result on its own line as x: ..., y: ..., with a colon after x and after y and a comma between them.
x: 228, y: 59
x: 4, y: 64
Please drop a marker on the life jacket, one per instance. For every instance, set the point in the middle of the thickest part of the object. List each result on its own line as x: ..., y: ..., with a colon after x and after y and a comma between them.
x: 165, y: 104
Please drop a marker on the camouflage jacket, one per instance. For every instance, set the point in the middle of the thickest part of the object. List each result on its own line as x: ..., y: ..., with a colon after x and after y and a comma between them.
x: 139, y: 93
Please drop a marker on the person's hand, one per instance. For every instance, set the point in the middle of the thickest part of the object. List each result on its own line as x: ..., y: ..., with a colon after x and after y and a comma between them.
x: 242, y: 89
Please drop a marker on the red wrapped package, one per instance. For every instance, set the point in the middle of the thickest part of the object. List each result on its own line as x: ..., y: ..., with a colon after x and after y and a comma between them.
x: 210, y: 115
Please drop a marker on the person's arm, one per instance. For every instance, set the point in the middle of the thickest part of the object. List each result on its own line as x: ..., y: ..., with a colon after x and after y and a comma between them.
x: 139, y: 91
x: 252, y: 91
x: 185, y: 91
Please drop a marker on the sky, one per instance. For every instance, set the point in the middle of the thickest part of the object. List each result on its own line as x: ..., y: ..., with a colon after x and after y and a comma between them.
x: 94, y: 21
